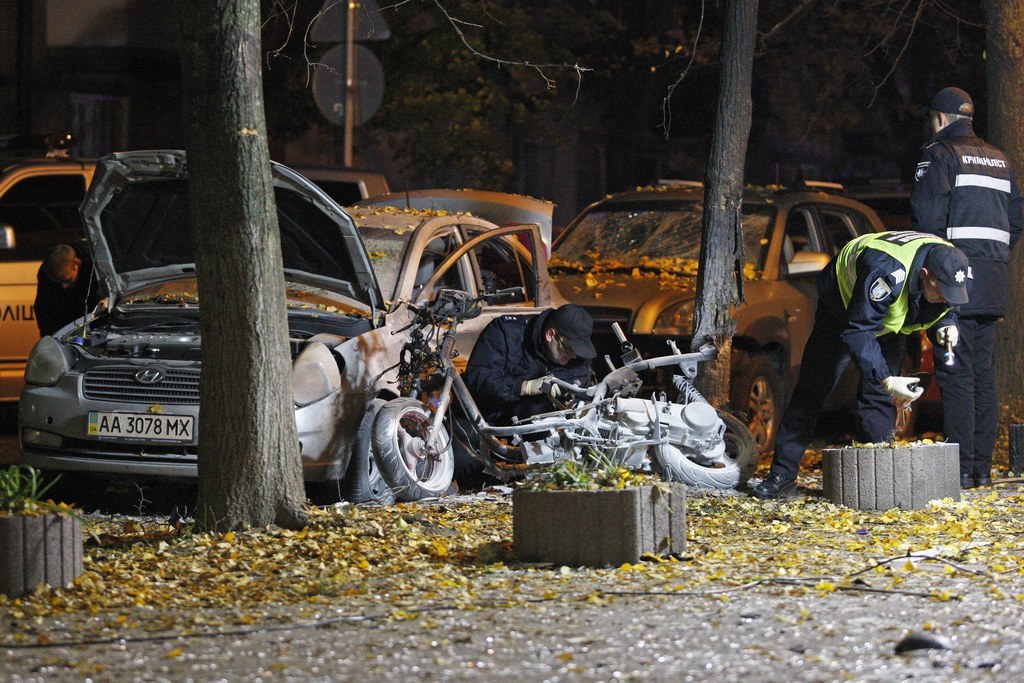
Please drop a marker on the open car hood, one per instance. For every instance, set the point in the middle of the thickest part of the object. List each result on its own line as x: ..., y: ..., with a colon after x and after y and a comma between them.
x: 137, y: 217
x: 500, y: 208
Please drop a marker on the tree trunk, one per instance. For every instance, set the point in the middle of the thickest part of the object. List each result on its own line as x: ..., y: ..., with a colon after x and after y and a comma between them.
x: 720, y: 279
x: 1005, y: 74
x: 250, y: 473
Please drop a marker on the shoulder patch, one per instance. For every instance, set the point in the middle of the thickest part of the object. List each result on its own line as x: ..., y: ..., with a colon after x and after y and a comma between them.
x: 880, y: 290
x: 922, y: 170
x: 898, y: 276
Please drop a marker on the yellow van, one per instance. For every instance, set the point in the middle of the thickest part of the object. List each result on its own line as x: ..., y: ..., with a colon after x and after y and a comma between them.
x: 39, y: 200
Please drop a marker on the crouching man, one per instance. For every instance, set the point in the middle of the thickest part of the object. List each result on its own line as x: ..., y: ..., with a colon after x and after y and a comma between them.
x: 881, y: 286
x: 511, y: 364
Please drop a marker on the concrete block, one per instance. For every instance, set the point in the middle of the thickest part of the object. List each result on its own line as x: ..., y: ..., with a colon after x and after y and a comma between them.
x: 600, y: 527
x: 882, y: 478
x: 38, y: 549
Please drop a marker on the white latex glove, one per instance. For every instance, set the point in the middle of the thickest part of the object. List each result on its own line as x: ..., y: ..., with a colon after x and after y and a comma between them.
x: 535, y: 387
x: 903, y: 388
x: 947, y: 336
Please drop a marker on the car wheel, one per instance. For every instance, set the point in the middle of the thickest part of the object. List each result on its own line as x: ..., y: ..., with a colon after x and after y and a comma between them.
x: 399, y: 446
x: 734, y: 468
x: 757, y: 393
x: 363, y: 482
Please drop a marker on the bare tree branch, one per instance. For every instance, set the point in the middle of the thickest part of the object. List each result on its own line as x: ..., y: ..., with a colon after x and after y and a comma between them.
x: 666, y: 103
x: 779, y: 25
x: 539, y: 68
x: 903, y: 48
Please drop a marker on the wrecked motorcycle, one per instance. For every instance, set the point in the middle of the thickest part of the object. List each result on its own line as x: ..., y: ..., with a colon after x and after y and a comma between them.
x: 684, y: 439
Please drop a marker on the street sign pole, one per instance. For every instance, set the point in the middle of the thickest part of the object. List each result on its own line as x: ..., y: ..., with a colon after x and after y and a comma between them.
x: 350, y: 79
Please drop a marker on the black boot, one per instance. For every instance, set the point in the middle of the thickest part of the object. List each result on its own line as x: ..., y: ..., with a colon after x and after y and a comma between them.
x: 775, y: 486
x: 967, y: 481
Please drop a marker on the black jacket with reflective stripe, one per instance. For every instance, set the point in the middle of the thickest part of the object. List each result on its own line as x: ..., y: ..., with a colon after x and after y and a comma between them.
x: 965, y: 191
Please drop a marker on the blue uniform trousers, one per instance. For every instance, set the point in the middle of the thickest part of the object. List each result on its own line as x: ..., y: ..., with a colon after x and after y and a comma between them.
x: 824, y: 361
x: 970, y: 400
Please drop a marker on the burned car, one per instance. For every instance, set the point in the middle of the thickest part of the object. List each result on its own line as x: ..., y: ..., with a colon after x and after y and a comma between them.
x: 116, y: 394
x: 631, y: 259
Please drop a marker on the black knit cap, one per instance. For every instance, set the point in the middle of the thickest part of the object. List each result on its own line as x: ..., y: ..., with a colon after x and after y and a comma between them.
x: 953, y: 101
x: 575, y: 325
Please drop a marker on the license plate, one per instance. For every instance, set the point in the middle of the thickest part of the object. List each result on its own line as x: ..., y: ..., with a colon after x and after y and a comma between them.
x: 142, y: 426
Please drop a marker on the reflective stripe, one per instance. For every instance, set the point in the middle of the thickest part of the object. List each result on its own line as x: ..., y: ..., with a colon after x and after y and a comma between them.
x: 974, y: 180
x: 969, y: 233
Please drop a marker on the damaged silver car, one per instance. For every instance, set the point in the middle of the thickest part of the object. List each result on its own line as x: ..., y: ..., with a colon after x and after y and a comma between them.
x: 116, y: 393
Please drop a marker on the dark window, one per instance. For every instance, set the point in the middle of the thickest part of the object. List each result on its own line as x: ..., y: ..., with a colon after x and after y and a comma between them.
x: 837, y: 229
x: 43, y: 211
x: 799, y: 228
x: 345, y: 193
x: 502, y: 268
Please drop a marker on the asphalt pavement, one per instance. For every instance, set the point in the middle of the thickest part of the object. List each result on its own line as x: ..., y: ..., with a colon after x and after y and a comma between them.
x: 565, y: 624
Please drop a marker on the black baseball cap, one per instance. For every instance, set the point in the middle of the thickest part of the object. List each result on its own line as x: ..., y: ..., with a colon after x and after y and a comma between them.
x: 951, y: 267
x: 575, y: 325
x: 952, y: 101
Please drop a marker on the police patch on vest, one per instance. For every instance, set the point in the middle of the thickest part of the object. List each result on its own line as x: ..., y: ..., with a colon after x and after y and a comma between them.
x: 880, y: 290
x: 922, y: 168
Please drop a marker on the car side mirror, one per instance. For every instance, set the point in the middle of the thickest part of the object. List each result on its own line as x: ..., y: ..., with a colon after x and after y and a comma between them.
x: 808, y: 263
x: 7, y: 240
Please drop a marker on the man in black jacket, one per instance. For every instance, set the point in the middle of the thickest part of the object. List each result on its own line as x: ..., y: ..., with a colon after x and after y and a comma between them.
x: 965, y: 192
x: 65, y: 289
x: 512, y: 361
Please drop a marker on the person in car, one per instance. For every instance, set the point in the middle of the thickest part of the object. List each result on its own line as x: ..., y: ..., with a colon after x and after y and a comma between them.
x: 965, y: 191
x: 880, y: 286
x: 511, y: 365
x: 65, y: 289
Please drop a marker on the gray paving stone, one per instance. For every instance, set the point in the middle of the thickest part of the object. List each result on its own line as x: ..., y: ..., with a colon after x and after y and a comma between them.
x: 907, y: 477
x: 37, y: 549
x: 598, y: 528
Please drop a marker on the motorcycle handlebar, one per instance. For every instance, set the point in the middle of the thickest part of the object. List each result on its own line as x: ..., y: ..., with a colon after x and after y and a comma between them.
x: 684, y: 360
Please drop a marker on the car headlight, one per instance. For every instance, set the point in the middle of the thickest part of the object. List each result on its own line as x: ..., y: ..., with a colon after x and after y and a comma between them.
x: 315, y: 375
x: 47, y: 363
x: 675, y: 319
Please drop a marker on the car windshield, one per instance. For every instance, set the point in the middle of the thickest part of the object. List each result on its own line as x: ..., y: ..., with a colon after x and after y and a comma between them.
x: 385, y: 247
x: 184, y: 292
x: 663, y: 237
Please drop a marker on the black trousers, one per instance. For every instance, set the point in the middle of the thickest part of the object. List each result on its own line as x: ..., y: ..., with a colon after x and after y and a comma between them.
x: 824, y: 361
x: 970, y: 398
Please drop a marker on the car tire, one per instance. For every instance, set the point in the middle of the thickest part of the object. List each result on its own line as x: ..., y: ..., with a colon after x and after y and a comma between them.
x: 397, y: 446
x: 363, y: 482
x: 758, y: 394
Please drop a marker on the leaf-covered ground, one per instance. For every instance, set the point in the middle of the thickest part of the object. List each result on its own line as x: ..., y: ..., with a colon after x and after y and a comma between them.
x: 146, y: 579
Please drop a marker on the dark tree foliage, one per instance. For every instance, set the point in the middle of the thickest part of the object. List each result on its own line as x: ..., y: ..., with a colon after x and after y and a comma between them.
x: 837, y: 84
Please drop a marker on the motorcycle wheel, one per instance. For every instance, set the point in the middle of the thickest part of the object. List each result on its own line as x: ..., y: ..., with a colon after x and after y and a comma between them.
x: 738, y: 464
x: 363, y: 482
x: 399, y: 432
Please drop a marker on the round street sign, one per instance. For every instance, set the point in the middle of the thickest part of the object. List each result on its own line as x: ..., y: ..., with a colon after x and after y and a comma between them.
x: 329, y: 85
